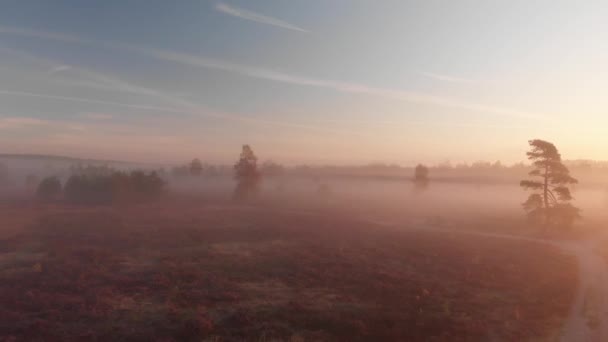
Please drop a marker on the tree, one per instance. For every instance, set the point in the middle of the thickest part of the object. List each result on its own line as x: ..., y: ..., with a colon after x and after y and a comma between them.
x: 551, y: 198
x: 49, y: 188
x: 196, y: 168
x: 246, y: 174
x: 421, y: 178
x: 421, y: 174
x: 134, y: 187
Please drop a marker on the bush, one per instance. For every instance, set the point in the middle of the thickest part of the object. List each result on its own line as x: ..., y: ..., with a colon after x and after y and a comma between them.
x: 49, y: 188
x: 421, y: 174
x: 89, y: 189
x: 119, y: 186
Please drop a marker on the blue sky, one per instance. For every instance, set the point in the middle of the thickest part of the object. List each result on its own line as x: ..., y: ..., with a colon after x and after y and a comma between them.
x: 316, y: 81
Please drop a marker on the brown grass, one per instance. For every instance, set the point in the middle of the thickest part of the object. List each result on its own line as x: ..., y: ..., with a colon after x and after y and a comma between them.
x: 171, y: 272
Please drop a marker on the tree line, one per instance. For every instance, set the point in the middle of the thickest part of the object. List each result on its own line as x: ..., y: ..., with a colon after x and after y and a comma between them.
x: 92, y: 187
x: 549, y: 203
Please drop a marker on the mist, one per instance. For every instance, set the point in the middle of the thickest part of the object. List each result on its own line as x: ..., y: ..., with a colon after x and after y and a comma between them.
x: 299, y: 171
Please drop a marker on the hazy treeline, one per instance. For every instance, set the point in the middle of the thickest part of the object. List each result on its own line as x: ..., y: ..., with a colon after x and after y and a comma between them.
x: 19, y: 170
x: 102, y: 185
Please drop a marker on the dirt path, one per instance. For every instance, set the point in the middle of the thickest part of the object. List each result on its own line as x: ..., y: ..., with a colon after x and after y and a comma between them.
x: 588, y: 317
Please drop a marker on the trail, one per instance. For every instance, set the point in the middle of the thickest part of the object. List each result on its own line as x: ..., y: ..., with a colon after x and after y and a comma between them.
x: 588, y: 317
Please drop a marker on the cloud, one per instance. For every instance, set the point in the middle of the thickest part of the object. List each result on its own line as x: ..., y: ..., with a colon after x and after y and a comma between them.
x: 447, y: 78
x: 345, y: 87
x: 12, y: 122
x: 98, y: 116
x: 81, y: 77
x: 42, y: 34
x: 59, y: 68
x: 256, y: 17
x: 179, y: 104
x: 289, y: 78
x: 24, y: 122
x: 86, y: 100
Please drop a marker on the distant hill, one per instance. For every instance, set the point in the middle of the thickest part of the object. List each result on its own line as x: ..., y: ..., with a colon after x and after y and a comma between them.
x: 54, y: 158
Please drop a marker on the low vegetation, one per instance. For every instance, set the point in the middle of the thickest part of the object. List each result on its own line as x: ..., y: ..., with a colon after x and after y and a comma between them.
x: 186, y: 272
x: 115, y: 187
x: 49, y: 189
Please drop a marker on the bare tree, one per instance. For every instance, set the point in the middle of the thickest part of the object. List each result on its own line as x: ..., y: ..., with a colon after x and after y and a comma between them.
x: 551, y: 198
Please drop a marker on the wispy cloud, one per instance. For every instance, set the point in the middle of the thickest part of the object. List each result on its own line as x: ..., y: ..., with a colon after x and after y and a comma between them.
x: 42, y: 34
x: 191, y: 109
x: 177, y: 104
x: 345, y: 87
x: 447, y: 78
x: 82, y: 77
x: 59, y: 68
x: 12, y: 122
x: 98, y: 116
x: 256, y: 17
x: 289, y: 78
x: 86, y: 100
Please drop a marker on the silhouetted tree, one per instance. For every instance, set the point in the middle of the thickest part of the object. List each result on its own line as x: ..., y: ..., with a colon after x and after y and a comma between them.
x: 196, y: 168
x: 119, y: 186
x: 88, y: 189
x: 551, y: 198
x: 246, y: 174
x: 421, y: 178
x: 49, y: 188
x: 146, y: 185
x: 421, y: 174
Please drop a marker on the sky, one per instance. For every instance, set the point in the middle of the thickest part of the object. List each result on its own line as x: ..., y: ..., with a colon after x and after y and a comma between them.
x: 304, y: 81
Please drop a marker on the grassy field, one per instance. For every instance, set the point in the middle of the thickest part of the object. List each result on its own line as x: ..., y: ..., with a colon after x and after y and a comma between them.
x: 195, y: 271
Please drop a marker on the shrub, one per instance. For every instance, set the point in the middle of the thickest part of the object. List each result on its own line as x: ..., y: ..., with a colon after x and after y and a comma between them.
x: 421, y: 174
x: 105, y: 189
x: 89, y: 189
